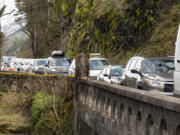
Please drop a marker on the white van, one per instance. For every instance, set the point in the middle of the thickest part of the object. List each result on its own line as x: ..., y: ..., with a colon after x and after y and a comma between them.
x: 177, y: 66
x: 96, y: 65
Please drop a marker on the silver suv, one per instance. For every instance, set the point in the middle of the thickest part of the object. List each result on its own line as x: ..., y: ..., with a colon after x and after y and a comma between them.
x: 150, y: 73
x: 57, y: 63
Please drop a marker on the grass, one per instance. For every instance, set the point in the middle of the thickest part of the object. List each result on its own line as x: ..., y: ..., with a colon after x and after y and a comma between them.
x: 14, y: 112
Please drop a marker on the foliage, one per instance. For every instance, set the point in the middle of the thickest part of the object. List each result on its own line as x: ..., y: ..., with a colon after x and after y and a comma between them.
x: 41, y: 25
x: 111, y: 26
x: 44, y: 115
x: 115, y: 28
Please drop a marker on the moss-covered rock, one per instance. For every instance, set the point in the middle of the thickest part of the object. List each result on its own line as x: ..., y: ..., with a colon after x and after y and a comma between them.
x: 121, y: 28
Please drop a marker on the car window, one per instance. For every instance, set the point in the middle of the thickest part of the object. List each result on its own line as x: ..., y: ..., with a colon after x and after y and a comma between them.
x: 117, y: 71
x: 51, y: 63
x: 60, y: 62
x: 158, y: 66
x: 108, y: 71
x: 41, y: 62
x: 133, y: 63
x: 104, y: 70
x: 138, y: 65
x: 128, y: 65
x: 98, y: 64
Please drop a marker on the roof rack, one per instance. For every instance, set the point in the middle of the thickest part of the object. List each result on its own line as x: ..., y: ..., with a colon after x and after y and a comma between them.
x: 57, y: 54
x: 95, y: 54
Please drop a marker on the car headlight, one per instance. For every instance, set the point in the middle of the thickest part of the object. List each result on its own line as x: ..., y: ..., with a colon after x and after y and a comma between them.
x: 154, y: 83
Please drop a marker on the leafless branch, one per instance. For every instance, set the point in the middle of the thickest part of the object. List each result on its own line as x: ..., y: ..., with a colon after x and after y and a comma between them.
x: 8, y: 13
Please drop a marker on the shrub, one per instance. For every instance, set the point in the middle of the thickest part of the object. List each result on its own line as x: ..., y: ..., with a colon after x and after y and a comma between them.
x: 52, y: 115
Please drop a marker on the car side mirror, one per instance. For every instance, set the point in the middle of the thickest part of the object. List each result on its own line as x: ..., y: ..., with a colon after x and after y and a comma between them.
x: 46, y: 65
x: 109, y: 76
x: 135, y: 71
x: 105, y: 75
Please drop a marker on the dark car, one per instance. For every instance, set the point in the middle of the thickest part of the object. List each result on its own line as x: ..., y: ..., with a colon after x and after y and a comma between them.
x: 150, y: 73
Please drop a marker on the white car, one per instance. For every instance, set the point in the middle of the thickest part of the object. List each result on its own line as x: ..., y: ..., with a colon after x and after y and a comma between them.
x: 96, y: 65
x: 111, y: 74
x: 39, y: 66
x: 177, y: 66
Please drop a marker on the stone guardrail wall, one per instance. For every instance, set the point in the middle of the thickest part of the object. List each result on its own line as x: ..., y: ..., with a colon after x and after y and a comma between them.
x: 106, y: 109
x: 34, y: 83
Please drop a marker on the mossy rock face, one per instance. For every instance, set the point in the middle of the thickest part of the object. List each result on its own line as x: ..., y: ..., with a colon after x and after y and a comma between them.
x: 120, y: 29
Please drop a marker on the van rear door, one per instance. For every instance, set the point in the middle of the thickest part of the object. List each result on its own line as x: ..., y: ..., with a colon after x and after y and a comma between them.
x: 177, y: 65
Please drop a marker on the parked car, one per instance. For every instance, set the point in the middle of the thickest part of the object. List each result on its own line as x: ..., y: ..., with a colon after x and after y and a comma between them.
x: 96, y: 65
x: 39, y: 66
x: 57, y: 63
x: 150, y: 73
x: 111, y: 74
x: 177, y: 66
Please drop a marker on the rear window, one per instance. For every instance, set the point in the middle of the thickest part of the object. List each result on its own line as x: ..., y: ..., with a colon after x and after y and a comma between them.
x: 98, y: 64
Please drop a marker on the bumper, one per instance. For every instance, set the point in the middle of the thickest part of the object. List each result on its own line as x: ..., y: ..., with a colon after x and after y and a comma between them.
x: 58, y: 73
x: 176, y: 94
x: 39, y: 71
x: 168, y: 88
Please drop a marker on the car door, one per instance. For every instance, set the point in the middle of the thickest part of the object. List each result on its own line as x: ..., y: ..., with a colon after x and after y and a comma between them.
x: 132, y: 75
x: 102, y: 75
x: 135, y: 76
x: 107, y: 74
x: 126, y: 74
x: 130, y: 81
x: 177, y: 64
x: 51, y: 66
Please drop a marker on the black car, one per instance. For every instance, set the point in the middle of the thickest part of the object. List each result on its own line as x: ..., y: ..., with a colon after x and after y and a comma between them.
x: 150, y: 73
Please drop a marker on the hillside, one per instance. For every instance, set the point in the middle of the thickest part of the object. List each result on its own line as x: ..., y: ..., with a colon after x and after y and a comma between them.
x: 13, y: 44
x: 163, y: 37
x: 120, y: 29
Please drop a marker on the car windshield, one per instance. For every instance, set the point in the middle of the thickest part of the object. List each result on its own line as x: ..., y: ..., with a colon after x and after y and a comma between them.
x: 158, y: 66
x: 62, y: 62
x: 41, y: 62
x: 98, y: 64
x: 117, y: 71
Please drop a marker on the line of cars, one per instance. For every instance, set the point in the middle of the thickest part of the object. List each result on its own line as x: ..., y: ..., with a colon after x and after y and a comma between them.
x: 144, y: 73
x: 154, y: 74
x: 57, y: 63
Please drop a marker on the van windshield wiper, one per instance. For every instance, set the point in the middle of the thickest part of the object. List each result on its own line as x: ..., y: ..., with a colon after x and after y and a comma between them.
x: 168, y: 68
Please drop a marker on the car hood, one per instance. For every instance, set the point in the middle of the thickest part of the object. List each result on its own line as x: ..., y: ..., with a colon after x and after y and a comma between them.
x: 116, y: 77
x: 160, y: 77
x: 94, y: 72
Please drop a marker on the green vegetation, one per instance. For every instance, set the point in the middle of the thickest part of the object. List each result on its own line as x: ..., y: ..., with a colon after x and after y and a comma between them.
x: 14, y: 112
x: 52, y: 115
x: 24, y: 112
x: 118, y: 29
